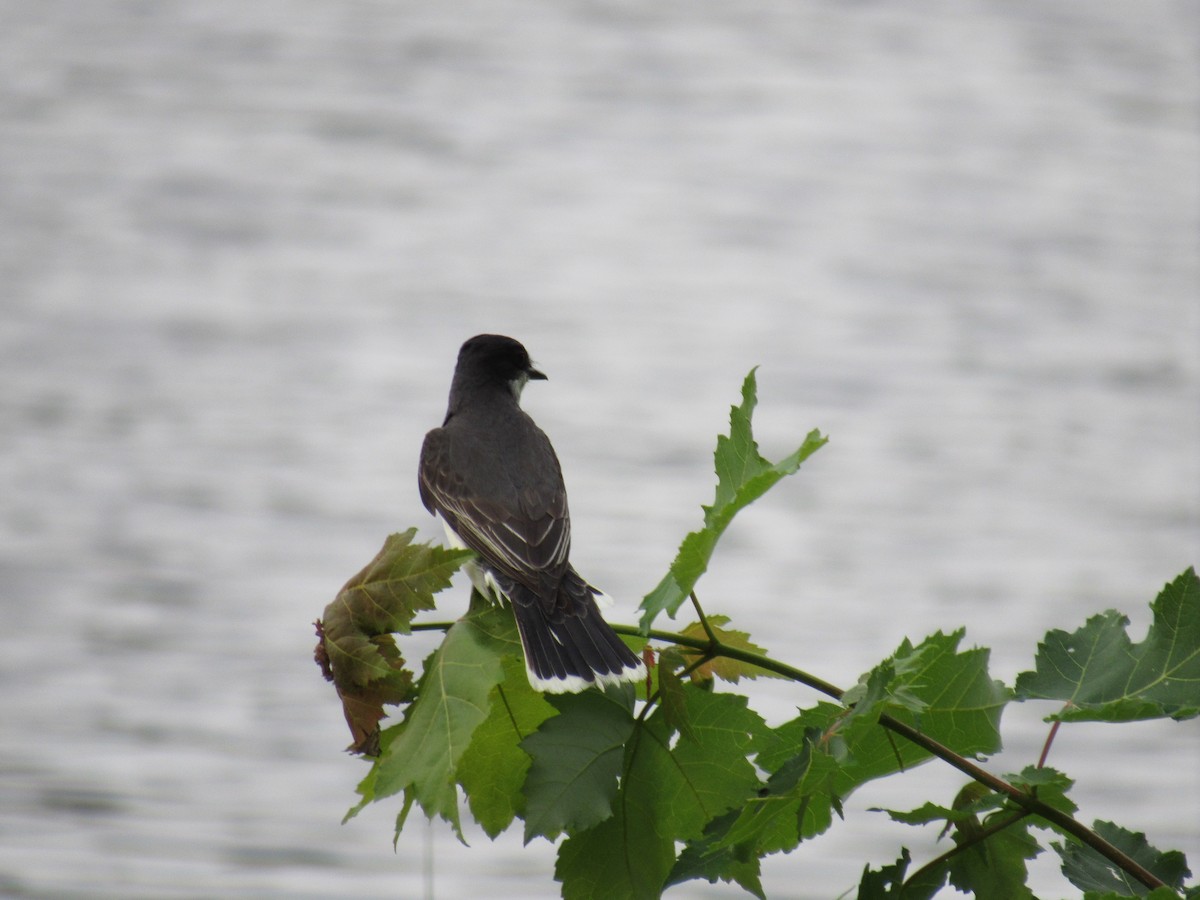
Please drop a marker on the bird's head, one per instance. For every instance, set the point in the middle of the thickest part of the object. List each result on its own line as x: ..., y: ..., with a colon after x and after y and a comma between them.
x: 493, y: 360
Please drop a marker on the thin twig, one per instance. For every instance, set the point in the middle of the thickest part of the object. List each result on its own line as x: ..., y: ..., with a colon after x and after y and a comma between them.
x: 704, y: 620
x: 1049, y: 740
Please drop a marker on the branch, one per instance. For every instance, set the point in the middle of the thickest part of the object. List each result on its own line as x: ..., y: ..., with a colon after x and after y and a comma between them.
x: 1049, y: 740
x: 715, y: 642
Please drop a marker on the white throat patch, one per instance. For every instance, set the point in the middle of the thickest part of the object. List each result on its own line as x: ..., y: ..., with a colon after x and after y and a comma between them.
x: 517, y: 385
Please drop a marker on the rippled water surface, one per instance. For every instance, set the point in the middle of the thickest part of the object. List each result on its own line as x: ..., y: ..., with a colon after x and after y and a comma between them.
x: 241, y: 243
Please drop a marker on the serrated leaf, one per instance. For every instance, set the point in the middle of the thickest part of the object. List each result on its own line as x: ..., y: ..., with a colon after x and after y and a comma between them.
x: 391, y: 589
x: 492, y: 769
x: 743, y: 475
x: 1103, y: 676
x: 712, y: 859
x: 619, y: 859
x: 889, y: 684
x: 667, y: 794
x: 960, y: 706
x: 928, y: 813
x: 723, y: 667
x: 945, y: 693
x: 576, y: 756
x: 994, y: 869
x: 988, y: 866
x: 671, y: 695
x: 1050, y: 785
x: 889, y: 882
x: 421, y: 754
x: 708, y: 771
x: 797, y: 802
x: 1089, y: 871
x: 355, y: 648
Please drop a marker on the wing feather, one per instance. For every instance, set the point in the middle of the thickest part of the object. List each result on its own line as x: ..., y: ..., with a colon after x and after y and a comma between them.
x: 523, y: 531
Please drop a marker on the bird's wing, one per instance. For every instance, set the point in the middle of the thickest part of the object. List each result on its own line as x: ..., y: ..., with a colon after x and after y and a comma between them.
x: 519, y: 526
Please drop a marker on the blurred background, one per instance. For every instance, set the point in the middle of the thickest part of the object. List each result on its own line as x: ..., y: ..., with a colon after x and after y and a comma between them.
x: 240, y: 245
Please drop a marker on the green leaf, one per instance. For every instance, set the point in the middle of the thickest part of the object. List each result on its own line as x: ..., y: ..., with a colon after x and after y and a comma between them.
x: 945, y: 693
x: 671, y: 693
x: 797, y: 802
x: 928, y: 813
x: 1089, y: 871
x: 889, y: 684
x: 668, y: 793
x: 421, y: 754
x: 577, y: 756
x: 622, y: 858
x: 989, y: 866
x: 994, y: 869
x: 712, y: 858
x: 1103, y: 676
x: 743, y: 475
x: 492, y: 769
x: 708, y: 772
x: 888, y: 882
x: 960, y: 706
x: 1049, y: 784
x: 355, y: 648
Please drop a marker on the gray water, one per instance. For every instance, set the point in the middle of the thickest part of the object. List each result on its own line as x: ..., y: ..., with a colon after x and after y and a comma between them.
x: 241, y: 243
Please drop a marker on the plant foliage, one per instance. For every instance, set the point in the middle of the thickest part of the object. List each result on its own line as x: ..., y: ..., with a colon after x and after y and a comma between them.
x: 681, y: 779
x: 1103, y: 676
x: 743, y: 475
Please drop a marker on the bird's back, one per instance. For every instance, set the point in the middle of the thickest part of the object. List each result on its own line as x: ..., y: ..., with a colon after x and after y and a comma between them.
x: 501, y: 489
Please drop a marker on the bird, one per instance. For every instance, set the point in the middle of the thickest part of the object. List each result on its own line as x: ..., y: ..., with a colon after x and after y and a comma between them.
x: 492, y: 476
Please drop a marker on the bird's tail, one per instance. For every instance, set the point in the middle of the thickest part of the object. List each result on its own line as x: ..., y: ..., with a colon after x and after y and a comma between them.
x: 571, y: 648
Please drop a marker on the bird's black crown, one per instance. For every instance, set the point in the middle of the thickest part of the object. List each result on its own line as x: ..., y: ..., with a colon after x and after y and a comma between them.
x: 496, y: 358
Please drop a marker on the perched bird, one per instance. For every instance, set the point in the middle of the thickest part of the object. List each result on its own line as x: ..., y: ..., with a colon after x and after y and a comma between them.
x: 493, y: 477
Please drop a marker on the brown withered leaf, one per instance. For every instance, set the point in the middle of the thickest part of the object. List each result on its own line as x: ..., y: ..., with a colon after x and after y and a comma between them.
x: 355, y: 648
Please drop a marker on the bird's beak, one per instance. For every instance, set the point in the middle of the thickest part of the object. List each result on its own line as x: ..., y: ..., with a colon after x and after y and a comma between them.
x: 535, y: 375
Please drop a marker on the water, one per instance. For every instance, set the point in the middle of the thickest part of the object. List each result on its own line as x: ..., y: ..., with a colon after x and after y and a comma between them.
x: 242, y: 243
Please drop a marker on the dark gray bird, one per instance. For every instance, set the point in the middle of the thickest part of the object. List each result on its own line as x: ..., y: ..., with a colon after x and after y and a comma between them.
x: 493, y: 477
